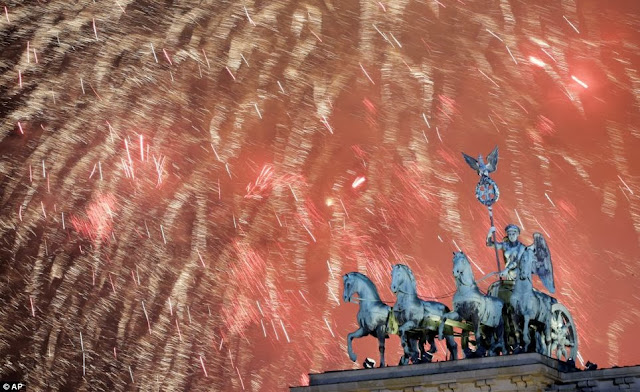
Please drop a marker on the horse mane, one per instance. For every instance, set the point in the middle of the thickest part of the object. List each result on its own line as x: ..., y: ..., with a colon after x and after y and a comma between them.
x: 528, y: 258
x: 367, y: 282
x: 410, y: 273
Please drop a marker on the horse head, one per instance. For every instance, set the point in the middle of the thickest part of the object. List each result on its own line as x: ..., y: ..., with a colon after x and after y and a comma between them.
x: 357, y: 283
x: 395, y: 279
x: 402, y: 279
x: 462, y: 269
x: 348, y: 287
x: 525, y: 264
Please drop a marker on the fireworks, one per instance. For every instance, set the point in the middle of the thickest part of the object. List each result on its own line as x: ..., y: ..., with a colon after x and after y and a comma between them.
x: 235, y: 160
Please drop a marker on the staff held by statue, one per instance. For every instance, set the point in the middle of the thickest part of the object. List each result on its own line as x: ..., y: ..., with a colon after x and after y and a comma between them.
x: 487, y: 191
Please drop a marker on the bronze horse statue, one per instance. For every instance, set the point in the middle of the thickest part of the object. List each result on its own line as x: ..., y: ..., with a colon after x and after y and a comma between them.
x: 469, y: 304
x: 416, y: 316
x: 373, y: 314
x: 374, y: 317
x: 530, y: 305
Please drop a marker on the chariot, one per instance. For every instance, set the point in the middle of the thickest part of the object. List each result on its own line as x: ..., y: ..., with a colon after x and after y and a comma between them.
x: 564, y: 336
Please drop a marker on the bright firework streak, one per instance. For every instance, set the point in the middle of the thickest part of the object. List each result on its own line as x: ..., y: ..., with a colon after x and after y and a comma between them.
x: 625, y: 185
x: 204, y: 369
x: 248, y: 17
x: 358, y: 181
x: 580, y: 82
x: 366, y: 73
x: 571, y: 24
x: 178, y: 327
x: 146, y: 315
x: 154, y: 52
x: 537, y: 61
x: 264, y: 331
x: 141, y: 149
x: 200, y: 257
x: 166, y: 55
x: 95, y: 30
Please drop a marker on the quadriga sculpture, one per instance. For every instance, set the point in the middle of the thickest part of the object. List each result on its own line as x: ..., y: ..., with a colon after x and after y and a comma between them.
x: 471, y: 305
x: 416, y: 316
x: 373, y: 314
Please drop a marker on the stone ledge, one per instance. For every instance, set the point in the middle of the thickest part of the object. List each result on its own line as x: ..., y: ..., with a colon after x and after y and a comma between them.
x: 524, y: 372
x: 436, y: 368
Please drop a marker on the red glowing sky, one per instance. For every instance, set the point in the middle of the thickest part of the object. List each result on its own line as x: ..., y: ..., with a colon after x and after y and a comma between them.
x: 183, y: 185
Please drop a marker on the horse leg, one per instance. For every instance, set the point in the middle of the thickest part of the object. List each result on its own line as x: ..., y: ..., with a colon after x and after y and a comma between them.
x: 452, y: 346
x: 415, y: 351
x: 414, y: 347
x: 465, y: 344
x: 526, y: 333
x: 421, y: 342
x: 499, y: 338
x: 480, y: 344
x: 356, y: 334
x: 451, y: 315
x: 547, y: 336
x: 427, y: 356
x: 410, y: 351
x: 491, y: 341
x: 381, y: 342
x: 541, y: 345
x: 404, y: 359
x: 515, y: 318
x: 406, y: 342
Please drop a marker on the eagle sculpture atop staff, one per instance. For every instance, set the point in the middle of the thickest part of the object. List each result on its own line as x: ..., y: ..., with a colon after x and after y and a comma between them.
x: 487, y: 191
x: 478, y: 164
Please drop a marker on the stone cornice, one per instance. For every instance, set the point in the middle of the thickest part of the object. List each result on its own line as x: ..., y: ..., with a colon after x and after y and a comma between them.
x: 524, y: 372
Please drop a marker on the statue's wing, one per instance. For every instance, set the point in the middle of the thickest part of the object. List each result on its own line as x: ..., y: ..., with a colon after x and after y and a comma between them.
x: 471, y: 161
x: 492, y: 160
x: 543, y: 266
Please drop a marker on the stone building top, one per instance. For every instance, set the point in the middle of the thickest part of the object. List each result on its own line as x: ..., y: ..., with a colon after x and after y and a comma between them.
x: 524, y: 372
